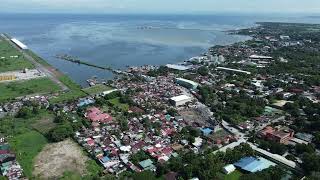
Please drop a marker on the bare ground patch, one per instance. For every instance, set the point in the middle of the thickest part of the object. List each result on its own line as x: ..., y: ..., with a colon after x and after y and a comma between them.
x: 57, y: 158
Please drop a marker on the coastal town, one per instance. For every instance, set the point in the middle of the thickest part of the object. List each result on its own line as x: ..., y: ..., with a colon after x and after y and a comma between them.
x: 248, y: 110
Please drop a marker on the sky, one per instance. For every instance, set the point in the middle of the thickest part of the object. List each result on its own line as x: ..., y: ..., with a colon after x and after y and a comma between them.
x: 160, y: 6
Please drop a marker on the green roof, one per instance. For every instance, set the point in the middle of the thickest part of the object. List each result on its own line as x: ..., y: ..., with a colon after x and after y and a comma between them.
x: 146, y: 163
x: 4, y: 147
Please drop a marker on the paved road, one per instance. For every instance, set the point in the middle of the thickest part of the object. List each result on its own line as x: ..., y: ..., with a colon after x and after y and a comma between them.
x: 242, y: 139
x: 39, y: 66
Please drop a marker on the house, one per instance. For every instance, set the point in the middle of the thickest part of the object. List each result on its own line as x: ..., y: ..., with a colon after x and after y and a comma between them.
x: 85, y: 102
x: 95, y: 115
x: 180, y: 100
x: 305, y: 137
x: 276, y: 135
x: 206, y: 131
x: 252, y: 164
x: 228, y: 169
x: 147, y: 165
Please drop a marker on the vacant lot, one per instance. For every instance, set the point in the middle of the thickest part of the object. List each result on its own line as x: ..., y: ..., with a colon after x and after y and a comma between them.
x: 8, y: 63
x: 116, y: 102
x: 44, y: 124
x: 57, y: 158
x: 16, y: 89
x: 100, y: 88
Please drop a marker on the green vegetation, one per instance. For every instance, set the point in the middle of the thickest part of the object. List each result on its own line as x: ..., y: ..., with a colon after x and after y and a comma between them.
x: 26, y: 147
x: 116, y: 103
x: 206, y: 165
x: 96, y: 89
x: 235, y: 175
x: 74, y: 93
x: 38, y: 59
x: 24, y: 140
x: 267, y: 174
x: 22, y: 88
x: 139, y: 156
x: 65, y: 126
x: 240, y: 108
x: 11, y: 64
x: 69, y: 175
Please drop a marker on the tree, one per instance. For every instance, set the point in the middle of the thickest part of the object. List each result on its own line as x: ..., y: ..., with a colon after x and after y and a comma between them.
x: 304, y: 148
x: 25, y: 113
x: 311, y: 162
x: 203, y: 71
x: 139, y: 156
x: 317, y: 139
x: 60, y: 133
x: 172, y: 112
x: 144, y: 175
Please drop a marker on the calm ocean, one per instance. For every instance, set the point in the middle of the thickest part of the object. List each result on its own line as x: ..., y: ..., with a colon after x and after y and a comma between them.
x: 126, y: 40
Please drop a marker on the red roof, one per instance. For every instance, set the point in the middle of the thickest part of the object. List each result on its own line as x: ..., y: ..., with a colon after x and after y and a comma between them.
x: 94, y: 114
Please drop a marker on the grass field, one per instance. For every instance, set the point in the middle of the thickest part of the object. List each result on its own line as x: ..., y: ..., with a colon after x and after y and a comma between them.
x: 97, y: 89
x: 44, y: 124
x: 11, y: 64
x: 16, y: 89
x: 118, y: 104
x: 74, y: 93
x: 235, y: 175
x: 23, y: 139
x: 27, y: 146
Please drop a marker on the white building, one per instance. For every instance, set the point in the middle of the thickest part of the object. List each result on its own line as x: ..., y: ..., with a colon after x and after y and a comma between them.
x: 19, y: 44
x: 180, y: 100
x: 228, y: 169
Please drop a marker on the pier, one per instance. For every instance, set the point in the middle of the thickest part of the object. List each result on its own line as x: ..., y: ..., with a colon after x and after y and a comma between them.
x: 78, y: 61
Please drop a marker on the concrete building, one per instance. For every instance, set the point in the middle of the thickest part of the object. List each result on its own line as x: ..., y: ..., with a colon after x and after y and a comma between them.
x: 180, y: 100
x: 178, y: 67
x: 228, y: 169
x: 280, y: 136
x: 252, y: 164
x: 19, y: 44
x: 187, y: 83
x: 233, y: 70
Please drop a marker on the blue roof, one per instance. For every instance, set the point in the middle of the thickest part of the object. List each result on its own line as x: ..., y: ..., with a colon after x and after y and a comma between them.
x: 206, y: 131
x: 252, y: 164
x: 85, y: 102
x: 105, y: 159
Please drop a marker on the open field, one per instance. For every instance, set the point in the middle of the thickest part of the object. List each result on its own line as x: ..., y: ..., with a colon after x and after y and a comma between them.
x: 8, y: 63
x: 25, y: 142
x: 74, y: 93
x: 44, y: 124
x: 26, y: 147
x: 22, y: 88
x: 58, y: 158
x: 235, y: 175
x: 116, y: 102
x: 97, y: 89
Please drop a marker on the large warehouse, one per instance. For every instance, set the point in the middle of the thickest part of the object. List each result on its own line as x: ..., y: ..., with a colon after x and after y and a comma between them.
x: 187, y: 83
x: 19, y: 43
x: 180, y: 100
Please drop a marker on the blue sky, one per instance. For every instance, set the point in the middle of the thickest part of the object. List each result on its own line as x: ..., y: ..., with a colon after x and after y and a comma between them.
x: 161, y: 6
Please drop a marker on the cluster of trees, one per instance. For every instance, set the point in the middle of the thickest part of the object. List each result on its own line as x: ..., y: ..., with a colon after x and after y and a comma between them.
x: 161, y: 71
x: 208, y: 95
x: 139, y: 156
x: 65, y: 128
x: 271, y: 146
x: 203, y: 71
x: 241, y: 107
x: 267, y: 174
x: 204, y: 166
x: 188, y: 133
